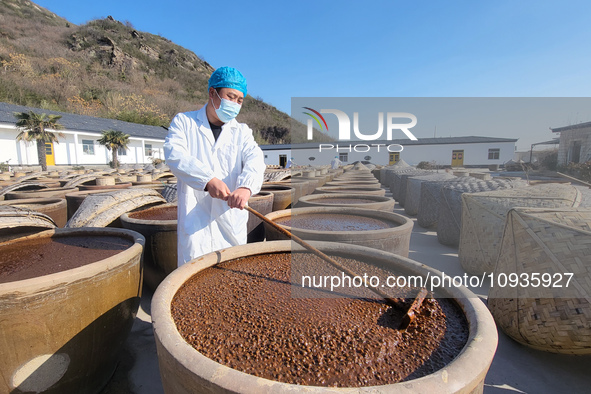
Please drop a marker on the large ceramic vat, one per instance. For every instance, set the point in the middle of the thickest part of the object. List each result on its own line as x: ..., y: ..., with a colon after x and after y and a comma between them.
x: 353, y: 182
x: 17, y: 223
x: 159, y: 226
x: 55, y: 208
x: 365, y: 190
x: 263, y: 204
x: 283, y: 195
x: 300, y: 184
x: 347, y: 201
x: 62, y: 332
x: 381, y: 230
x: 185, y: 370
x: 59, y: 192
x: 299, y: 189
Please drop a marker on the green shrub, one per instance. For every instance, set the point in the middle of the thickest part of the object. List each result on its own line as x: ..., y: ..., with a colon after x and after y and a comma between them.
x: 581, y: 171
x: 149, y: 119
x: 550, y: 161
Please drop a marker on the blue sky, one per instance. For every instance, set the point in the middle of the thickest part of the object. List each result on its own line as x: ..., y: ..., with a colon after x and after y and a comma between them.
x: 377, y: 48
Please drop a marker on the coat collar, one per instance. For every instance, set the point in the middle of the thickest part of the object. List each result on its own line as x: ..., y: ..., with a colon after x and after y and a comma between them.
x: 203, y: 123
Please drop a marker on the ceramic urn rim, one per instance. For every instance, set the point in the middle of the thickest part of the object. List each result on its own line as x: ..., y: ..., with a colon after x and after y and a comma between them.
x: 172, y: 223
x: 456, y: 376
x: 39, y: 283
x: 404, y: 223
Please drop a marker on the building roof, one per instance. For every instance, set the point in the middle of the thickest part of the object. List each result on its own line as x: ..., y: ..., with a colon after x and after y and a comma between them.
x: 403, y: 142
x: 92, y: 124
x: 572, y: 127
x: 75, y: 122
x: 554, y: 141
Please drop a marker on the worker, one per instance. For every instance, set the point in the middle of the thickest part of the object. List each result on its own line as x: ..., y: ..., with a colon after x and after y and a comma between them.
x: 218, y: 165
x: 290, y: 163
x: 335, y: 163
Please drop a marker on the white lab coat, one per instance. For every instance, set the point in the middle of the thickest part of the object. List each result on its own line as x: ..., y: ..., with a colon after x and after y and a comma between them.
x: 207, y: 224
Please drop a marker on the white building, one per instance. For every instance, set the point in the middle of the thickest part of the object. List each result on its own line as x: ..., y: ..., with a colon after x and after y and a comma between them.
x: 446, y: 151
x: 80, y: 146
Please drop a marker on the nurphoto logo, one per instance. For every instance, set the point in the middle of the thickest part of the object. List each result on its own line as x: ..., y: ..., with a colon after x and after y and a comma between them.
x: 344, y: 130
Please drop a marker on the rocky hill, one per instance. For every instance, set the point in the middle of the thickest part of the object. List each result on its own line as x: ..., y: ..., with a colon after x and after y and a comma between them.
x: 107, y: 68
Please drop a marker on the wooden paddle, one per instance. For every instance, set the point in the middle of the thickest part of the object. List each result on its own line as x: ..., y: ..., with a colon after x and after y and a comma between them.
x: 409, y: 316
x: 407, y: 319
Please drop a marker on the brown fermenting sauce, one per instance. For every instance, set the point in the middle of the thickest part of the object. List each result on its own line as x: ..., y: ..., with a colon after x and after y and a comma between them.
x: 166, y: 213
x: 351, y: 189
x: 275, y: 188
x: 338, y: 201
x: 334, y: 222
x: 242, y: 314
x: 44, y: 256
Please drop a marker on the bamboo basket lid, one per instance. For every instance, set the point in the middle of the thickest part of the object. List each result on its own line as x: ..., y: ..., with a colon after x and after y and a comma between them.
x: 551, y: 242
x: 450, y: 206
x: 413, y: 190
x: 484, y: 214
x: 17, y: 222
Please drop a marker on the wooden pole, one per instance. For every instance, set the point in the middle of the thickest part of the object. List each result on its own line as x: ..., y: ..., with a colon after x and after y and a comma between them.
x: 319, y: 253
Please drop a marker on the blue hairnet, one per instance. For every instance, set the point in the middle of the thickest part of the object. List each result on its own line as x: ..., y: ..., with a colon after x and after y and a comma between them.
x: 228, y: 77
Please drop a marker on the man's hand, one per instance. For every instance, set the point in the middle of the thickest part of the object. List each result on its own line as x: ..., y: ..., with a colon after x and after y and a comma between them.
x: 217, y: 189
x: 239, y: 197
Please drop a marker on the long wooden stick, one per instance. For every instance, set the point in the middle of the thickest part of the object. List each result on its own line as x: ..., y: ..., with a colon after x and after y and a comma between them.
x: 574, y: 179
x: 320, y: 254
x: 408, y: 317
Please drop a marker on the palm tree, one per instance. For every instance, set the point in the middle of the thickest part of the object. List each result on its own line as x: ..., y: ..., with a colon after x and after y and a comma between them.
x: 114, y: 140
x: 33, y: 126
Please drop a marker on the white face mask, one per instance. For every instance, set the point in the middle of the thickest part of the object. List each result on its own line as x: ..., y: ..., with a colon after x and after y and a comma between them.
x: 228, y: 110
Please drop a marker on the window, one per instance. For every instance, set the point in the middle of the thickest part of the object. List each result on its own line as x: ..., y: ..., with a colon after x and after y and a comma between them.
x: 493, y: 154
x: 122, y: 152
x: 344, y: 157
x: 148, y: 150
x: 394, y: 158
x: 88, y: 147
